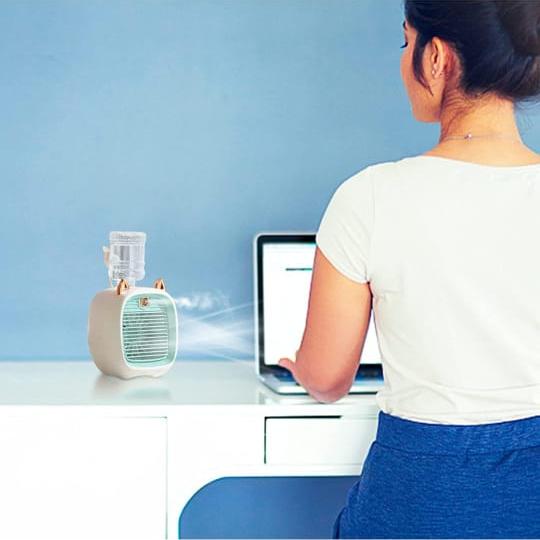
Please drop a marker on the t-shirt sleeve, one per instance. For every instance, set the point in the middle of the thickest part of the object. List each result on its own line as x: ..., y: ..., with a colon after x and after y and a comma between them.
x: 346, y: 228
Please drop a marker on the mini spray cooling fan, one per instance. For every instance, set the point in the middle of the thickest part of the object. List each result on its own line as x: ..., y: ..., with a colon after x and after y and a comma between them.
x: 132, y: 331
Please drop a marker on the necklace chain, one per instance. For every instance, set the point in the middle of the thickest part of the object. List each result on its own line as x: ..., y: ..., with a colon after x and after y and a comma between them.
x: 471, y: 136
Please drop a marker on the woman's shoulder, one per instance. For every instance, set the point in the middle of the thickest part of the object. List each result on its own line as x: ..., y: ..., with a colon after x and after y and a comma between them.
x: 407, y: 173
x: 384, y: 169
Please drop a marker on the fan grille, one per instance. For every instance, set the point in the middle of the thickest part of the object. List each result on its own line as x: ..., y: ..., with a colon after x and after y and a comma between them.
x: 146, y: 329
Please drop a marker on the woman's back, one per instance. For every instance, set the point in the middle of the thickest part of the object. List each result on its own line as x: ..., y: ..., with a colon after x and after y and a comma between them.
x: 454, y: 269
x: 450, y: 252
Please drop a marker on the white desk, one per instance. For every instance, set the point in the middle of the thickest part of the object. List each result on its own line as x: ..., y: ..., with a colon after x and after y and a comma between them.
x: 123, y: 458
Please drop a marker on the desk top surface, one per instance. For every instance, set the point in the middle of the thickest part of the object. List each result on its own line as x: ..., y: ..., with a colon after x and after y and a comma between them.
x: 189, y: 382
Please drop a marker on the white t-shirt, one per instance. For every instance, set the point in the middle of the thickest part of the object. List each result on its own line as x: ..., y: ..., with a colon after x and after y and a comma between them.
x: 451, y: 250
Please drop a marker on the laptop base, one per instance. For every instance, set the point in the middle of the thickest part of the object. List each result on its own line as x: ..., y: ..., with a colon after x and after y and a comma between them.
x: 280, y: 386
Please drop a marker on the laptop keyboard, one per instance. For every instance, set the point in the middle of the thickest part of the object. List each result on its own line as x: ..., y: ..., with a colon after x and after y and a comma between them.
x: 287, y: 376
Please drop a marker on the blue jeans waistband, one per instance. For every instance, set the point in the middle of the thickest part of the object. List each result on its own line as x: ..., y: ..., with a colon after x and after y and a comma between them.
x: 413, y: 436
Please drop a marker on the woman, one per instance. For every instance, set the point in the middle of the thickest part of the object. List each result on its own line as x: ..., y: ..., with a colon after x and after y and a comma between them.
x: 446, y: 245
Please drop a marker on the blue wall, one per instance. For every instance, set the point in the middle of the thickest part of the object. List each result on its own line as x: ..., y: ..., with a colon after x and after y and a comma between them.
x: 200, y: 122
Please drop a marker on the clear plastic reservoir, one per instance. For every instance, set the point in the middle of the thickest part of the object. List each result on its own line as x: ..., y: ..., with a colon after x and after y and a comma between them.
x: 126, y: 257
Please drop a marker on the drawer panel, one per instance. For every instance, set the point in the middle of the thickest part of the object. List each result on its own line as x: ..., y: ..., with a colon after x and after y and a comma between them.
x: 318, y: 440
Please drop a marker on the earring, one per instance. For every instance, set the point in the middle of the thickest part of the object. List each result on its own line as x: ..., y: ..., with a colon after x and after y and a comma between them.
x: 433, y: 72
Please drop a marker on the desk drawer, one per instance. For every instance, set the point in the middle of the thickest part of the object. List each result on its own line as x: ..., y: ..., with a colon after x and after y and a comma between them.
x: 319, y: 440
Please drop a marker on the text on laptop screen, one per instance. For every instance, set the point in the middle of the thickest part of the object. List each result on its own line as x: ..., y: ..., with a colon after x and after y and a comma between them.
x: 287, y: 270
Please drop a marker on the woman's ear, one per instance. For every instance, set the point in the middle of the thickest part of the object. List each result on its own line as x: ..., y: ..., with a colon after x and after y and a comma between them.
x: 437, y: 56
x: 443, y: 57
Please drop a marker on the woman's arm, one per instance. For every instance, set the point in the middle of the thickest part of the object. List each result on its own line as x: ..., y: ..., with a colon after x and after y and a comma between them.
x: 337, y: 321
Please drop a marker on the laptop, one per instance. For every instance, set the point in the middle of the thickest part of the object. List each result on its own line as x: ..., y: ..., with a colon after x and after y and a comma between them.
x: 283, y: 265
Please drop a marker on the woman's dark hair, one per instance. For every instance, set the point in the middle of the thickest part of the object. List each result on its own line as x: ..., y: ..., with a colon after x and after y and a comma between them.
x: 496, y: 41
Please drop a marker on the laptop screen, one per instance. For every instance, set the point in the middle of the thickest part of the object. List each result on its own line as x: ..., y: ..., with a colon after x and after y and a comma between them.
x: 287, y: 265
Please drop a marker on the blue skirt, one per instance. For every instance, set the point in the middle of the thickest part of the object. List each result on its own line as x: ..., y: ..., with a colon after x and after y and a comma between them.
x: 423, y: 480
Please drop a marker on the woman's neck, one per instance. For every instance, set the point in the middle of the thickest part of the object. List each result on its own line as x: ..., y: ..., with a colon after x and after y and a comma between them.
x: 487, y: 116
x: 495, y: 136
